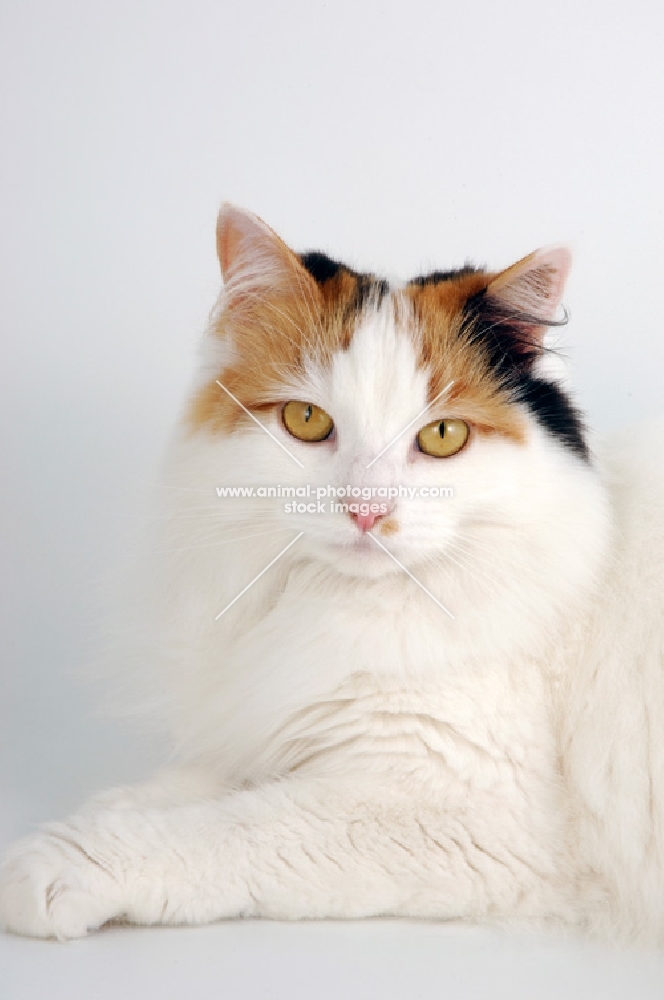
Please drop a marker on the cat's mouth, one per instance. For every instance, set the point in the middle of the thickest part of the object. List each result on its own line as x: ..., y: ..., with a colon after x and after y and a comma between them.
x: 359, y: 556
x: 360, y: 543
x: 363, y: 543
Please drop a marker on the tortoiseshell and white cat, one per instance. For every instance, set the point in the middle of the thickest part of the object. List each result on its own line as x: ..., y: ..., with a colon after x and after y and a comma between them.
x: 347, y: 746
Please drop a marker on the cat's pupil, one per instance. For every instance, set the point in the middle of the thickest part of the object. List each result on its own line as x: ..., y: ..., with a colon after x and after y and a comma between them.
x: 441, y: 428
x: 307, y: 413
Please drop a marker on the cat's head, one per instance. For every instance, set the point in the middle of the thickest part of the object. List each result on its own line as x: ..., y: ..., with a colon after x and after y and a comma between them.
x: 438, y: 383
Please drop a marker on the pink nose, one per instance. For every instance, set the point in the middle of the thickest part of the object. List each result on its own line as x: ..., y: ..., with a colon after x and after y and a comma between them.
x: 365, y: 522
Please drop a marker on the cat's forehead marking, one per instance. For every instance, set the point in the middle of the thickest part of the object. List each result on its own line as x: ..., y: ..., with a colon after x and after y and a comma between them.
x: 342, y: 286
x: 461, y: 337
x: 275, y: 332
x: 436, y: 277
x: 279, y: 336
x: 438, y: 304
x: 280, y: 333
x: 320, y: 266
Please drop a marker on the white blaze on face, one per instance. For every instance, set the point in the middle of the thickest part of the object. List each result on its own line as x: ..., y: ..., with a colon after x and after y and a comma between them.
x: 376, y: 391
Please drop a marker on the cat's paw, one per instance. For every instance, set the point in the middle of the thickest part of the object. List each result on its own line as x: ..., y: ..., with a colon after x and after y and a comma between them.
x: 53, y: 886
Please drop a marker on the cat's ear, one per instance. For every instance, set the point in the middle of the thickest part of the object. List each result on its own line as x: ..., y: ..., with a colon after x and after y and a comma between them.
x: 253, y: 258
x: 532, y: 289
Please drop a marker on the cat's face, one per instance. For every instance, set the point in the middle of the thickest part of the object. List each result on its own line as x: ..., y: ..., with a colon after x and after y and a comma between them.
x: 430, y: 388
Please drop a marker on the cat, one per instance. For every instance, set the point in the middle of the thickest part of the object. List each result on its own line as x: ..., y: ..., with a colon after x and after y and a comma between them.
x: 441, y: 707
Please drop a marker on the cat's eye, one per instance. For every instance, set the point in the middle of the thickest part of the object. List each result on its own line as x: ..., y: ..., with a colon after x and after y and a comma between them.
x: 443, y: 438
x: 306, y: 421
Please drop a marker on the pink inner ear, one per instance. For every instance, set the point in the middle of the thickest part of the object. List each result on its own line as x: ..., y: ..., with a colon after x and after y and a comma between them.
x: 253, y: 257
x: 534, y: 285
x: 240, y: 232
x: 227, y: 242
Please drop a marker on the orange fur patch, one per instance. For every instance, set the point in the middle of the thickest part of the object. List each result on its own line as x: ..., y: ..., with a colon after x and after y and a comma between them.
x: 390, y: 526
x: 476, y: 395
x: 276, y: 331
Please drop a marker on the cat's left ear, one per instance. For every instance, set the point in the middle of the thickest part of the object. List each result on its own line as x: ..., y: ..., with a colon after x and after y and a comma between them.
x: 532, y: 289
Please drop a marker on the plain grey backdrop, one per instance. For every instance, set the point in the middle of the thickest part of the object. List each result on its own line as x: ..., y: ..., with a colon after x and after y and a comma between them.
x: 397, y: 136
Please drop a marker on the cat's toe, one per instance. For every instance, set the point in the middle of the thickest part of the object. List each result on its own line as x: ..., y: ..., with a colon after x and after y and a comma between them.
x: 50, y: 887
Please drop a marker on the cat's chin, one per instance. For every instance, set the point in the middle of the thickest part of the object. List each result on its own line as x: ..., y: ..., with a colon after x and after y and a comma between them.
x: 360, y: 556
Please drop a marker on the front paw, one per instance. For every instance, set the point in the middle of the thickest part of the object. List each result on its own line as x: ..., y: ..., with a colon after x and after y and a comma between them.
x: 53, y: 884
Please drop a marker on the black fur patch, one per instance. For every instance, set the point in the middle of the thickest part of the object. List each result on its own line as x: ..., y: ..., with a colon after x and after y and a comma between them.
x: 320, y: 266
x: 369, y: 288
x: 550, y: 405
x: 511, y: 350
x: 435, y: 277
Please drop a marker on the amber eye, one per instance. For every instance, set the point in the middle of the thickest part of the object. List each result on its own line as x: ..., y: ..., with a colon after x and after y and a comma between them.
x: 306, y: 421
x: 443, y: 438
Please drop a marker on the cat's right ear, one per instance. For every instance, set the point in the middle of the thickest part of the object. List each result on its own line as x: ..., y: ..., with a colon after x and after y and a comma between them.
x: 533, y: 287
x: 253, y: 258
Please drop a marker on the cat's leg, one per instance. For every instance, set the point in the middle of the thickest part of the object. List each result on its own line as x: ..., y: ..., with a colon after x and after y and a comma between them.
x: 293, y: 849
x: 175, y: 785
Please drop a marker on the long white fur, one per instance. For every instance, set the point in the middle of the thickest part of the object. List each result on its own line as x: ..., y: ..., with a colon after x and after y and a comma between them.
x: 347, y: 749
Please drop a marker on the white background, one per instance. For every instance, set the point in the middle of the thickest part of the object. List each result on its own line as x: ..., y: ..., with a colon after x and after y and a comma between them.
x: 397, y: 136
